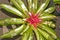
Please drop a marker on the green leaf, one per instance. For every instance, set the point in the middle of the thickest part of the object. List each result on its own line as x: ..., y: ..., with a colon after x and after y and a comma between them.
x: 36, y: 32
x: 17, y: 6
x: 13, y: 33
x: 11, y: 21
x: 49, y: 23
x: 30, y: 36
x: 11, y: 9
x: 56, y: 1
x: 50, y: 31
x: 30, y: 2
x: 45, y: 34
x: 40, y: 36
x: 49, y: 10
x: 58, y: 38
x: 23, y: 7
x: 47, y: 17
x: 34, y: 5
x: 43, y: 6
x: 27, y: 34
x: 26, y: 29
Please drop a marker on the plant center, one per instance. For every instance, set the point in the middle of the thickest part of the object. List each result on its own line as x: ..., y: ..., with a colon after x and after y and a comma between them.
x: 34, y: 19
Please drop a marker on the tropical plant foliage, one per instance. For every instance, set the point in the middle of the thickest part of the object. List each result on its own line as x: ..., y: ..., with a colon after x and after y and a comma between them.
x: 56, y: 1
x: 33, y: 20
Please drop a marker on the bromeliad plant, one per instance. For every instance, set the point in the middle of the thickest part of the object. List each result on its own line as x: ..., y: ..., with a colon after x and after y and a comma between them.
x: 33, y: 20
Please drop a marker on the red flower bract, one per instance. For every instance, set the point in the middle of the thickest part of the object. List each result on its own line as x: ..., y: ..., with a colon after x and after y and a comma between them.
x: 34, y: 19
